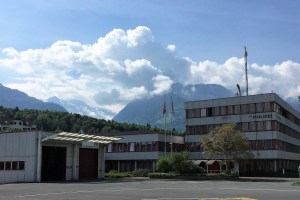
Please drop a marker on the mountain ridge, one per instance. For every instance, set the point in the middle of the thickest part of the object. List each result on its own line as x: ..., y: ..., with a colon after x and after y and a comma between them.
x: 12, y: 98
x: 149, y: 110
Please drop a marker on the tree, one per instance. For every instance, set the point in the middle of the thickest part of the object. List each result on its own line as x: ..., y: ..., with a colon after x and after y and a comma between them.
x: 226, y: 142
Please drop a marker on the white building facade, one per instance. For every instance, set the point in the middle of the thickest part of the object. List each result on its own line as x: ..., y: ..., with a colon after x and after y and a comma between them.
x: 271, y: 125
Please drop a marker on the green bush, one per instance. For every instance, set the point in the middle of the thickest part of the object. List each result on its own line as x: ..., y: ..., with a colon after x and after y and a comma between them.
x: 164, y: 164
x: 162, y: 175
x: 178, y: 163
x: 140, y: 173
x: 116, y: 174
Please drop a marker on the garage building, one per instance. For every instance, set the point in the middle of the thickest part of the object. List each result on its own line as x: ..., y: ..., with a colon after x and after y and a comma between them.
x: 45, y: 156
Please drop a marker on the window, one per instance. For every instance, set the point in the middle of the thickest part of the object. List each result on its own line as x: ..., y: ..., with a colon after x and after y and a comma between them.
x: 132, y: 146
x: 260, y: 126
x: 143, y: 146
x: 109, y: 148
x: 261, y: 144
x: 217, y: 111
x: 252, y: 108
x: 203, y: 112
x: 237, y: 110
x: 268, y: 144
x: 259, y: 107
x: 245, y: 109
x: 253, y: 144
x: 7, y: 165
x: 14, y: 165
x: 252, y: 126
x: 223, y: 110
x: 245, y: 126
x: 21, y: 165
x: 230, y: 110
x: 268, y: 126
x: 209, y: 112
x: 1, y: 165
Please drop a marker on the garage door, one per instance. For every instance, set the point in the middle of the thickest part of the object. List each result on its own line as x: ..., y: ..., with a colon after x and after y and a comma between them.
x: 88, y: 163
x: 53, y: 163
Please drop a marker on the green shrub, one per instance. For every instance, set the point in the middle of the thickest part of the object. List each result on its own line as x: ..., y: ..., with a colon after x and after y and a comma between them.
x: 116, y: 174
x: 178, y: 163
x: 162, y: 175
x: 140, y: 173
x: 164, y: 165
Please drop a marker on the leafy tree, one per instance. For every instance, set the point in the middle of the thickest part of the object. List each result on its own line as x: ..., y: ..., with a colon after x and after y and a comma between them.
x: 227, y: 142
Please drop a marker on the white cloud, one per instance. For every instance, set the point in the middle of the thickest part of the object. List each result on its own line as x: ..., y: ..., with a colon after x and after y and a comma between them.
x: 127, y: 65
x: 280, y: 78
x: 172, y: 47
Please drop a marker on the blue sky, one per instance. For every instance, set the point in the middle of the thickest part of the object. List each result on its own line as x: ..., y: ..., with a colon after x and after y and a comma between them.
x: 161, y: 41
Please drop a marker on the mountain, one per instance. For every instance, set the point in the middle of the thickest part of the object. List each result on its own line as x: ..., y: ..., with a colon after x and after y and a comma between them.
x: 12, y: 98
x: 77, y: 106
x: 149, y: 111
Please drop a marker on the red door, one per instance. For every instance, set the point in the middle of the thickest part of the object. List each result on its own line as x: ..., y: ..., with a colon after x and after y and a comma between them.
x: 88, y: 163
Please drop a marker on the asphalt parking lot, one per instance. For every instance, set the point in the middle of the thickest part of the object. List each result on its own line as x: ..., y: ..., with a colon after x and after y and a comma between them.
x: 143, y: 189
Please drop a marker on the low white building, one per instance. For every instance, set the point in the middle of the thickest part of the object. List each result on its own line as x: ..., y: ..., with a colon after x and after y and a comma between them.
x: 44, y: 156
x: 140, y: 150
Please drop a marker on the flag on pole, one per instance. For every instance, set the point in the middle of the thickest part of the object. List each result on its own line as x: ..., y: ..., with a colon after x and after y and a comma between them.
x: 164, y: 108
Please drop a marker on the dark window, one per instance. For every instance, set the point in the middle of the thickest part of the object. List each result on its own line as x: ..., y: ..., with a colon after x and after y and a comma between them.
x: 268, y: 144
x: 252, y: 126
x: 261, y: 144
x: 14, y: 165
x: 8, y: 165
x: 1, y: 165
x: 253, y: 144
x: 21, y: 165
x: 209, y: 112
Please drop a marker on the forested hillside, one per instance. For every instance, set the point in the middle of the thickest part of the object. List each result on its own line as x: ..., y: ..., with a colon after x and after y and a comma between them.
x: 64, y: 121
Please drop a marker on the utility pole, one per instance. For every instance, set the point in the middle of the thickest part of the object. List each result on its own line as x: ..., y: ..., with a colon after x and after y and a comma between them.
x: 246, y: 70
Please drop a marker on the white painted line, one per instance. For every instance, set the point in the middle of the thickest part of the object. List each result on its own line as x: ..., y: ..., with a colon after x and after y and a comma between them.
x: 152, y: 189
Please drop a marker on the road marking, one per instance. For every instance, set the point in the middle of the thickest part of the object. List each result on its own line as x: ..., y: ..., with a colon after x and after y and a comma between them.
x: 150, y: 189
x: 235, y: 198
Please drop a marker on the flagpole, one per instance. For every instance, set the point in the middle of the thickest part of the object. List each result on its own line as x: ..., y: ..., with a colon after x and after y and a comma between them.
x: 164, y: 115
x: 172, y: 115
x: 165, y: 137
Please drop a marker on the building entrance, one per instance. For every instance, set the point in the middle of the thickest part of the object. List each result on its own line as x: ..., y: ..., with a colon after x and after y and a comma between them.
x: 53, y: 163
x: 88, y: 163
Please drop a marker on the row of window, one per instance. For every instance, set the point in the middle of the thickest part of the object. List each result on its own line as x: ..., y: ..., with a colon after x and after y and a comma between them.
x: 12, y: 165
x: 142, y: 147
x: 254, y: 126
x: 253, y: 145
x: 241, y: 109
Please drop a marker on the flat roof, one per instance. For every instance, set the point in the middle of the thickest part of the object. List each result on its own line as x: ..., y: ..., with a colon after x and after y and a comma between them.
x: 79, y: 137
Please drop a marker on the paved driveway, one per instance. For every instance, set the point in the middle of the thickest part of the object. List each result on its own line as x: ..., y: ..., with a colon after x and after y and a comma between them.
x: 153, y: 190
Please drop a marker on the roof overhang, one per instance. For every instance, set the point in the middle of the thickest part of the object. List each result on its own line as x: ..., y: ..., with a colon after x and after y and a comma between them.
x: 79, y: 138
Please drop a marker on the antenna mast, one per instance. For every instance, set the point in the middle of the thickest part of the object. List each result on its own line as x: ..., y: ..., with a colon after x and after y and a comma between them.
x: 246, y: 70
